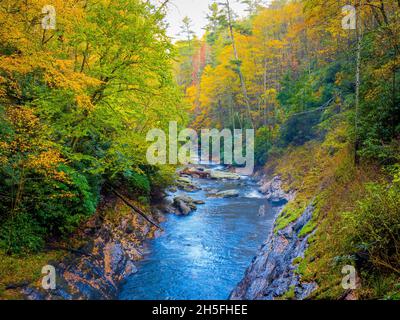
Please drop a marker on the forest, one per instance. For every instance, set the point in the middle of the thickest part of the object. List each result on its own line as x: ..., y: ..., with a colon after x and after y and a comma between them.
x: 323, y: 96
x: 324, y: 100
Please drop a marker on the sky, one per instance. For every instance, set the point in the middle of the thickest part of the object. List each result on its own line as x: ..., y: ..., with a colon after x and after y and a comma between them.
x: 196, y: 10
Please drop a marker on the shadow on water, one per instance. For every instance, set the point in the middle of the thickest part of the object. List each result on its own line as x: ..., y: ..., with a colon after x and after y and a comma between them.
x: 204, y: 255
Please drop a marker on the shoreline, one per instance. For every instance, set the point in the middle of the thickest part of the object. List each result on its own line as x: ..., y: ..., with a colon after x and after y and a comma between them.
x: 111, y: 255
x: 272, y: 273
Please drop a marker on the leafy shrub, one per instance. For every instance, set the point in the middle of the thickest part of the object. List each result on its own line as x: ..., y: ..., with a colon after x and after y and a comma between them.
x: 302, y: 97
x: 375, y: 225
x: 262, y: 146
x: 138, y: 183
x: 47, y: 207
x: 299, y: 129
x: 21, y: 233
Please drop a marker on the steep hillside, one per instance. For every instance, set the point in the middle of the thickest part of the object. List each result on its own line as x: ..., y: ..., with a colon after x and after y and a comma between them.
x: 316, y: 235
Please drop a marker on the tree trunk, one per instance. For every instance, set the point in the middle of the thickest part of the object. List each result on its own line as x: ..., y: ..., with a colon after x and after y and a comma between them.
x: 358, y: 81
x: 241, y: 77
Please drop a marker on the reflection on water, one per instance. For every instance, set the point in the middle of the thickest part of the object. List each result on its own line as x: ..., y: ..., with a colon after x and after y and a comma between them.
x: 204, y: 255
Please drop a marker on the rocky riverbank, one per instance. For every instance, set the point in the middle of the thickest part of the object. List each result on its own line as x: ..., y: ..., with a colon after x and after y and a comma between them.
x: 112, y: 243
x: 272, y: 273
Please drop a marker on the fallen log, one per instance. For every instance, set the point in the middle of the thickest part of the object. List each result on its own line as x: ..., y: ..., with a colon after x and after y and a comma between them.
x: 133, y: 207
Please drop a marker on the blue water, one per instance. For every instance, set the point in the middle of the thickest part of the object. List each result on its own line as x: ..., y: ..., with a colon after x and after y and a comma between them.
x: 204, y: 255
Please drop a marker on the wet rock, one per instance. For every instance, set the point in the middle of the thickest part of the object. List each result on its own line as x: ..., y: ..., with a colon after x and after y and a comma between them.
x: 95, y: 271
x: 184, y: 180
x: 186, y: 184
x: 227, y: 194
x: 211, y: 190
x: 182, y: 207
x: 220, y: 175
x: 130, y: 269
x: 273, y: 191
x: 184, y: 204
x: 272, y: 273
x: 196, y: 172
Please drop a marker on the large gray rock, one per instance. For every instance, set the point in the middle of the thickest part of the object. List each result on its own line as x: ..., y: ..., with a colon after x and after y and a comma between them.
x: 227, y: 194
x: 272, y: 273
x: 219, y: 175
x: 274, y: 193
x: 96, y: 270
x: 182, y: 207
x: 186, y: 184
x: 185, y: 204
x: 184, y: 180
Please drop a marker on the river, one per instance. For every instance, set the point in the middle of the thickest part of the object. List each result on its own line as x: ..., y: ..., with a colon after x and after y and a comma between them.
x: 203, y: 255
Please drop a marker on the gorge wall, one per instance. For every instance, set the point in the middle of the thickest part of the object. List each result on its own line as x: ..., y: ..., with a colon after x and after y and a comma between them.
x: 272, y: 273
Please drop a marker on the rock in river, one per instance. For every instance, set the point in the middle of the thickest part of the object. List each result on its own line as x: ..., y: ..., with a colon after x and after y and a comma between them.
x: 226, y: 194
x: 186, y: 184
x: 219, y: 175
x: 185, y: 204
x: 274, y: 192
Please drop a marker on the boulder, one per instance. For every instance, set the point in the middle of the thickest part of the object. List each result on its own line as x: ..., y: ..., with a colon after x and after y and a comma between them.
x: 198, y: 172
x: 184, y: 180
x: 182, y: 207
x: 185, y: 204
x: 227, y: 194
x: 274, y: 192
x: 219, y: 175
x: 185, y: 184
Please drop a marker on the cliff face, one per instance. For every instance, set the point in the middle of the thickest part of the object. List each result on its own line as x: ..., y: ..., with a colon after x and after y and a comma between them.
x: 272, y: 273
x: 115, y: 237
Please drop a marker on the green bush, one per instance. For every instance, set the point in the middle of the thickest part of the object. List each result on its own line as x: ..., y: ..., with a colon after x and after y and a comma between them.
x: 138, y: 184
x: 20, y: 233
x: 47, y: 208
x: 375, y: 225
x: 262, y: 146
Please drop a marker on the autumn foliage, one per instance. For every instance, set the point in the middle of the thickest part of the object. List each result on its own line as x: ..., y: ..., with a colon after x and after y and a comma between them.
x: 76, y: 102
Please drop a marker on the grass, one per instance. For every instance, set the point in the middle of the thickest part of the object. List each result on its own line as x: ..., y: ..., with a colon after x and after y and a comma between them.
x: 18, y: 270
x: 307, y: 170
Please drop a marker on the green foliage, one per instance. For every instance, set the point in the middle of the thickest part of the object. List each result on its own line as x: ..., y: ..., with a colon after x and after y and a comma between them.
x: 75, y: 110
x: 303, y: 98
x: 263, y: 143
x: 290, y: 294
x: 299, y: 129
x: 49, y: 208
x: 138, y: 184
x: 375, y: 225
x: 379, y: 115
x: 19, y: 233
x: 307, y: 229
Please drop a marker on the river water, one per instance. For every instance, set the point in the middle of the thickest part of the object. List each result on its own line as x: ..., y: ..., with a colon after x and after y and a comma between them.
x: 203, y: 255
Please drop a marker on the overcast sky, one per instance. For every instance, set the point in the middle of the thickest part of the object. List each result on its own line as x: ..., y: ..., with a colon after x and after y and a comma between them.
x: 196, y: 10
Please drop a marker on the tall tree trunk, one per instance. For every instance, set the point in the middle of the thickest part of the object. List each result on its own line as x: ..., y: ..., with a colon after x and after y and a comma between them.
x: 264, y: 92
x: 235, y: 52
x: 358, y: 82
x: 394, y: 101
